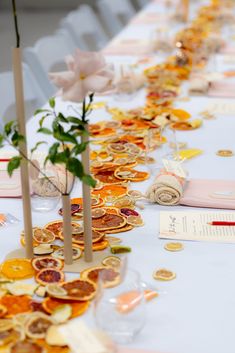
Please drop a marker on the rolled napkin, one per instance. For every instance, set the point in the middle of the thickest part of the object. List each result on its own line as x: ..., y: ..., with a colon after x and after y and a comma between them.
x: 198, y: 86
x: 166, y: 190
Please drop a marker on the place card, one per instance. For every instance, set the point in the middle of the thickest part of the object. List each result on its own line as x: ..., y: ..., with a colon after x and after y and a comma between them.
x: 183, y: 225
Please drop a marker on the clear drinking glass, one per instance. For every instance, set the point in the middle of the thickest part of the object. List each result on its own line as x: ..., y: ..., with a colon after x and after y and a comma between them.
x: 45, y: 188
x: 120, y: 311
x: 125, y: 88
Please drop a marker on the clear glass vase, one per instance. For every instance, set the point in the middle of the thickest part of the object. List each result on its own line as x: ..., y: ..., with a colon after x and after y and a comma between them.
x: 120, y: 311
x: 45, y: 188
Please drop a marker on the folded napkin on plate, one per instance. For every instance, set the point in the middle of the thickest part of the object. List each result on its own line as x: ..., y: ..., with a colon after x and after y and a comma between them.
x: 198, y: 86
x: 222, y: 89
x: 129, y: 47
x: 166, y: 190
x: 209, y: 193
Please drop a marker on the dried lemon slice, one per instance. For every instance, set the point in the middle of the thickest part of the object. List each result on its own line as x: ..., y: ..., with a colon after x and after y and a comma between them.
x: 164, y: 275
x: 54, y: 290
x: 62, y: 313
x: 54, y: 337
x: 174, y: 246
x: 113, y: 240
x: 21, y: 288
x: 135, y: 221
x: 112, y: 261
x: 6, y: 324
x: 98, y: 212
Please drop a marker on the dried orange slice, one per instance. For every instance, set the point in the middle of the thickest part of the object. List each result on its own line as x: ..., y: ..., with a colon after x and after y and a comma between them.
x: 49, y: 275
x: 36, y: 327
x: 48, y: 348
x: 126, y: 228
x: 47, y: 262
x: 56, y: 226
x: 26, y: 346
x: 17, y: 269
x: 181, y: 114
x: 96, y: 237
x: 97, y: 213
x: 78, y: 290
x: 130, y: 174
x: 108, y: 221
x: 100, y: 245
x: 9, y: 337
x: 124, y: 201
x: 16, y: 304
x: 108, y: 275
x: 43, y: 236
x: 164, y: 275
x: 78, y: 308
x: 3, y: 310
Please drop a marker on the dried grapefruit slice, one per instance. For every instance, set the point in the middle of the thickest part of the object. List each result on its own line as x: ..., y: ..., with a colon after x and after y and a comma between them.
x: 108, y: 275
x: 78, y: 308
x: 43, y: 236
x: 57, y: 226
x: 126, y: 228
x: 47, y: 262
x: 36, y: 327
x: 16, y: 304
x: 17, y: 269
x: 26, y: 346
x: 49, y: 275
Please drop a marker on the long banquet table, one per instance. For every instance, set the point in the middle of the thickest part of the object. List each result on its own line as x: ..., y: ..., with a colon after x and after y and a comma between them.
x: 194, y: 313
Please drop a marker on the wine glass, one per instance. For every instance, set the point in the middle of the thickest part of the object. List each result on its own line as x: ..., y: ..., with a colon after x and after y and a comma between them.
x: 120, y: 311
x: 125, y: 83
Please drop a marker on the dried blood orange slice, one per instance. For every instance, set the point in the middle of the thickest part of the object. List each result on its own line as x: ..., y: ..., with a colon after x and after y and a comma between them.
x: 128, y: 212
x: 16, y: 304
x: 40, y: 263
x: 98, y: 246
x: 26, y: 346
x: 43, y: 236
x: 108, y: 275
x: 17, y: 269
x: 78, y: 308
x: 75, y: 207
x: 111, y: 190
x: 108, y: 221
x: 36, y: 327
x: 49, y: 275
x: 56, y: 227
x: 78, y: 290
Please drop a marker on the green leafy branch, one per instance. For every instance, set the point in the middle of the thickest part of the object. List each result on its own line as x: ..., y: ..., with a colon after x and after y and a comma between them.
x: 66, y: 132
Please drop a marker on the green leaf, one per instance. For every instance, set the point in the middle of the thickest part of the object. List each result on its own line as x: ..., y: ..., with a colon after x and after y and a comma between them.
x: 75, y: 167
x: 52, y: 102
x: 62, y: 118
x: 1, y: 140
x: 13, y: 164
x: 8, y: 127
x: 38, y: 111
x: 78, y: 149
x: 53, y: 150
x: 45, y: 131
x: 64, y: 137
x: 87, y: 179
x: 75, y: 120
x: 16, y: 138
x: 41, y: 121
x: 36, y: 146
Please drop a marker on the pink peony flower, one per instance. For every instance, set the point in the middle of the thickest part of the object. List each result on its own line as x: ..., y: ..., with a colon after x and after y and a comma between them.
x: 87, y: 72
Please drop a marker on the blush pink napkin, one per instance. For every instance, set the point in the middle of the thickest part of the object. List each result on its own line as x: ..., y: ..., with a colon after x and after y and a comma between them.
x: 10, y: 187
x: 228, y: 49
x: 222, y: 89
x: 129, y: 47
x: 209, y: 193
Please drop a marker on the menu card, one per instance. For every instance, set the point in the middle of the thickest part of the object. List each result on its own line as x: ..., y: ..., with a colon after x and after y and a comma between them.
x: 183, y: 225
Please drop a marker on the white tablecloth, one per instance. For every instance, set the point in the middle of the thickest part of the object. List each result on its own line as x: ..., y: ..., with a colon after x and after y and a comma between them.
x: 195, y: 312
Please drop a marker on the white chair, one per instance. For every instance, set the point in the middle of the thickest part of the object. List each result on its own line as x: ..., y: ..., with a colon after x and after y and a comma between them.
x: 33, y: 95
x: 139, y: 4
x: 85, y: 28
x: 48, y: 55
x: 115, y: 14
